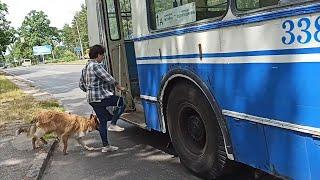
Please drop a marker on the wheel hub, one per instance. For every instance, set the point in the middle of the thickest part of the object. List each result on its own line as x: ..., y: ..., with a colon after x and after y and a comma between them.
x: 192, y: 128
x: 196, y: 128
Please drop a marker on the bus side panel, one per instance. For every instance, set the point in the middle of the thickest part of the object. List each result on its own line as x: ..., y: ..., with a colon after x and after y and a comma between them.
x: 313, y: 148
x: 248, y: 139
x: 288, y: 153
x: 248, y: 142
x: 150, y: 77
x: 287, y: 91
x: 152, y: 115
x: 149, y: 80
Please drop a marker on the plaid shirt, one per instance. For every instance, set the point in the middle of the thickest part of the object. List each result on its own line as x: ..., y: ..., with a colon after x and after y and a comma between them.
x: 96, y: 82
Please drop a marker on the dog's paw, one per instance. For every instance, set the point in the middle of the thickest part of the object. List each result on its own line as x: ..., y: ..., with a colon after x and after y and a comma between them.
x: 65, y: 153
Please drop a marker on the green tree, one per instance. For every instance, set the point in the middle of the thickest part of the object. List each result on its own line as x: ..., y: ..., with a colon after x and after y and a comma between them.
x: 36, y: 31
x: 81, y: 19
x: 6, y: 32
x: 70, y: 35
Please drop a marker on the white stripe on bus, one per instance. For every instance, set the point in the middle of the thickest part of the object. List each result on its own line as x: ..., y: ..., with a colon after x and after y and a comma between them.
x: 149, y: 98
x: 301, y: 58
x: 272, y: 122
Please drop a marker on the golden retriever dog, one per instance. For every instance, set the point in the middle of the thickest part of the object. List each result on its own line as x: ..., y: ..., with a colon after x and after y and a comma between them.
x: 64, y: 125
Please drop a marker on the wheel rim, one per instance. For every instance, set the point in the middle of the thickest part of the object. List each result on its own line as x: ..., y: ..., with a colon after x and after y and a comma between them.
x: 192, y: 129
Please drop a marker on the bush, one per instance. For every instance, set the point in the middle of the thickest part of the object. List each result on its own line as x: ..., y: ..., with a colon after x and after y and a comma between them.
x: 69, y: 56
x: 59, y: 52
x: 64, y: 54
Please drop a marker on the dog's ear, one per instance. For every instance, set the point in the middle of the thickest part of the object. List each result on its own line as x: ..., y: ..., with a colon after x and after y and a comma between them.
x: 97, y: 122
x: 96, y: 119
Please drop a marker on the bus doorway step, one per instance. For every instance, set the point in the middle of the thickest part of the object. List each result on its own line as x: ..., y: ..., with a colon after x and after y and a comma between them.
x: 135, y: 118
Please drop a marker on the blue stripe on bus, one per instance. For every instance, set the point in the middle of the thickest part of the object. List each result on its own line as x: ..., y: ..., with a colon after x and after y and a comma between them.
x: 235, y: 22
x: 297, y: 51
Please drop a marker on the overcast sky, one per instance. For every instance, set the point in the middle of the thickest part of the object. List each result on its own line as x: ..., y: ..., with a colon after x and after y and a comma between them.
x: 58, y: 11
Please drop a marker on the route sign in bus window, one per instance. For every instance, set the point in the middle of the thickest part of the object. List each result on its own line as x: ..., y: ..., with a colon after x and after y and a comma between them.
x: 168, y: 13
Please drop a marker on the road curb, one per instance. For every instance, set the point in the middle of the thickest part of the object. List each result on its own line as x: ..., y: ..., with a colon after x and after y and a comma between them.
x: 40, y: 163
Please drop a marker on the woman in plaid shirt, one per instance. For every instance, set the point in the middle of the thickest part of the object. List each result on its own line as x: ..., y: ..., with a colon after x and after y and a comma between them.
x: 97, y: 83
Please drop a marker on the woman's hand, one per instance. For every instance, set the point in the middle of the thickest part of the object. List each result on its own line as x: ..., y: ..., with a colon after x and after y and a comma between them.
x: 120, y: 88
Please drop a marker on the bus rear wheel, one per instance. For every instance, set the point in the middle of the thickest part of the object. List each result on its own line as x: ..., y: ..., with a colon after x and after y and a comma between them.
x: 195, y: 132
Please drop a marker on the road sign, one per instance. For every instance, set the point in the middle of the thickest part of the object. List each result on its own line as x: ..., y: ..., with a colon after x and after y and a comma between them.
x: 42, y: 50
x: 77, y: 49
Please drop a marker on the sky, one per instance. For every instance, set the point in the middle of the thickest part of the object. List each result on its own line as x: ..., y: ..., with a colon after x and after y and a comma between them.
x: 59, y: 12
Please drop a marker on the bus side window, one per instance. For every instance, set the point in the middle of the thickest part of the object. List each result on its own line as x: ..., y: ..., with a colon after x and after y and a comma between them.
x: 247, y: 5
x: 126, y: 18
x: 205, y: 9
x: 266, y: 3
x: 210, y: 8
x: 113, y: 20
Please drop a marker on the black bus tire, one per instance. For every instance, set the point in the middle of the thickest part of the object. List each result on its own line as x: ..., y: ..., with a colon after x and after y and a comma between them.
x: 195, y: 132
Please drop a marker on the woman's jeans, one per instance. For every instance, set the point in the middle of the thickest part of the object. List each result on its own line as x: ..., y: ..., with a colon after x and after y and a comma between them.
x: 100, y: 108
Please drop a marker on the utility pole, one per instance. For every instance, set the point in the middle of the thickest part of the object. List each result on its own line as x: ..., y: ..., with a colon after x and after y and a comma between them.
x: 82, y: 55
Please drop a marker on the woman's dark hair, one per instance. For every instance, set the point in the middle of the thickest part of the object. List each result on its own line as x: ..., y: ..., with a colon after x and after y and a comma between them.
x: 95, y: 50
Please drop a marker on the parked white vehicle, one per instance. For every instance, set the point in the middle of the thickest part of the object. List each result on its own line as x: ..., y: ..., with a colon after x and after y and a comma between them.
x: 26, y: 62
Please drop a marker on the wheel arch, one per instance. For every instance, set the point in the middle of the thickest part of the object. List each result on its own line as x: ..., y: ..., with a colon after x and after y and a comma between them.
x: 182, y: 75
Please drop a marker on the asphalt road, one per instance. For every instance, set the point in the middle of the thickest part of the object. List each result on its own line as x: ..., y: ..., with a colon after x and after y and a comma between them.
x: 142, y: 154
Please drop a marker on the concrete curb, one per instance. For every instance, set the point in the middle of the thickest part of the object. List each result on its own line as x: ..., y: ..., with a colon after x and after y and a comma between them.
x: 40, y: 163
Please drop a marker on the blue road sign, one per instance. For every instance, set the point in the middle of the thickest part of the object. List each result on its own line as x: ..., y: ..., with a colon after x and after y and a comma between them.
x: 42, y: 50
x: 77, y: 49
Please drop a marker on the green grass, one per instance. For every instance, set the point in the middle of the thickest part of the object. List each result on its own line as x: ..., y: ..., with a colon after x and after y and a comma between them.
x: 17, y: 106
x: 77, y: 62
x: 49, y: 136
x: 6, y: 86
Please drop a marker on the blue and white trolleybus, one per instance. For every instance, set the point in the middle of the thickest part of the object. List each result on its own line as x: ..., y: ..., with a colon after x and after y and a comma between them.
x: 231, y: 80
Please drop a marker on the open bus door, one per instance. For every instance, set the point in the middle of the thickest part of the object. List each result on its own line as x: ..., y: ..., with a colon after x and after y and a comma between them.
x: 121, y: 56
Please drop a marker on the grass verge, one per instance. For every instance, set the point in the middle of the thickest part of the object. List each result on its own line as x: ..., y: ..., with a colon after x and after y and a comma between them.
x: 77, y: 62
x: 18, y: 106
